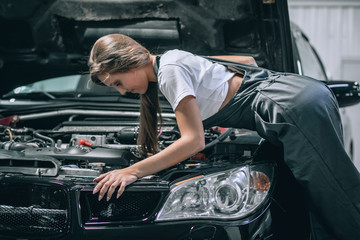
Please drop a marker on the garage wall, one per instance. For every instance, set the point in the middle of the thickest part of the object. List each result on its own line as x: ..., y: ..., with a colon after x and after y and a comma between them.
x: 333, y: 27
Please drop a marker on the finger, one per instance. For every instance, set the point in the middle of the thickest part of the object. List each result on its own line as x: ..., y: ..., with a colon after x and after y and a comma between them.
x: 97, y: 188
x: 121, y: 190
x: 104, y: 188
x: 99, y: 185
x: 112, y: 190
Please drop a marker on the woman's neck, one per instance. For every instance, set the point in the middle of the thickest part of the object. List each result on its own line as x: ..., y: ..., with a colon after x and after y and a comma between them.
x: 150, y: 68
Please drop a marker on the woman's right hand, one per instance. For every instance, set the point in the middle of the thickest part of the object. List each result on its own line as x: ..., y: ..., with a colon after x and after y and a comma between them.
x: 191, y: 142
x: 109, y: 181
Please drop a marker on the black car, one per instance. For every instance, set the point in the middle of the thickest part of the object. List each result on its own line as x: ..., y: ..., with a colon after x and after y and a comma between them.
x: 59, y: 131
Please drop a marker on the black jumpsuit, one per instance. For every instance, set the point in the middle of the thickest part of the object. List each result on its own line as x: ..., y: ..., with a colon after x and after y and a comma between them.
x: 301, y: 114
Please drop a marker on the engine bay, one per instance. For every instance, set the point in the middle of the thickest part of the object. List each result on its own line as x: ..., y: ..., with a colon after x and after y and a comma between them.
x: 92, y: 146
x: 47, y: 177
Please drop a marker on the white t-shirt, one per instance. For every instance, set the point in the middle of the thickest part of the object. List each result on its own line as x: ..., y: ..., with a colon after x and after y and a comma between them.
x: 182, y: 74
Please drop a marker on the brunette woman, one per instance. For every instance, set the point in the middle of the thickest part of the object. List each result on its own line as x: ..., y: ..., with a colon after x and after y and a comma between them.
x: 296, y: 112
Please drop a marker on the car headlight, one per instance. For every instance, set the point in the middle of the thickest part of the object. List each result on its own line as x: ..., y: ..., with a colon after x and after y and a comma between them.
x: 224, y: 195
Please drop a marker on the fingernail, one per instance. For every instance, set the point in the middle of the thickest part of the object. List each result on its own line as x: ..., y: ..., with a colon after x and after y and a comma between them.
x: 107, y: 199
x: 117, y: 196
x: 100, y: 197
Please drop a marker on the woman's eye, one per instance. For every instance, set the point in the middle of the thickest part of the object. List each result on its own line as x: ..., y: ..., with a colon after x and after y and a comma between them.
x: 118, y: 84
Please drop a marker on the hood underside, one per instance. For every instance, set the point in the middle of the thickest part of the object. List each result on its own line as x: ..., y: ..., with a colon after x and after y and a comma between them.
x: 48, y: 38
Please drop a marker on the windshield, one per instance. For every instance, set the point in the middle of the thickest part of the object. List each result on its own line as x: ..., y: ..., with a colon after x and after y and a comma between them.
x: 72, y: 85
x: 58, y: 84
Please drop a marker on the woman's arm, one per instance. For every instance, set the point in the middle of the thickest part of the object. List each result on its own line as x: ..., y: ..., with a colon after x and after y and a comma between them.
x: 241, y: 59
x: 191, y: 141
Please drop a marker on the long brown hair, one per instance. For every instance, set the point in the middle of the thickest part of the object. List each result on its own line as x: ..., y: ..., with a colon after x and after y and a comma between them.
x: 119, y: 53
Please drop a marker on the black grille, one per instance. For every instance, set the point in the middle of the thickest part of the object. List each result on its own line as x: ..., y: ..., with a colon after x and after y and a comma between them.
x: 32, y: 210
x: 131, y: 206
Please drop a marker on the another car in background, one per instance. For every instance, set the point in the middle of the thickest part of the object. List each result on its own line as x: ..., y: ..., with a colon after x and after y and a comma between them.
x: 309, y: 63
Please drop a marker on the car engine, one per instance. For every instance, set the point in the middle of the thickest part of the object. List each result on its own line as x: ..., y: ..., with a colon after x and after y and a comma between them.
x: 90, y: 147
x: 46, y: 176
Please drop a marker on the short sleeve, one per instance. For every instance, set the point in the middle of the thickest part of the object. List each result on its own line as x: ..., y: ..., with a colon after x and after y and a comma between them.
x: 175, y: 83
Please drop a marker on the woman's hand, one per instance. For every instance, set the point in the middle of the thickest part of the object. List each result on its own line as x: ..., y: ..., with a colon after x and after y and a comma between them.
x: 108, y: 182
x: 191, y: 142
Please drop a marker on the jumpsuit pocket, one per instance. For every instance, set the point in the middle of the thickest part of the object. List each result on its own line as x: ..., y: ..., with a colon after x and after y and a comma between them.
x: 273, y: 130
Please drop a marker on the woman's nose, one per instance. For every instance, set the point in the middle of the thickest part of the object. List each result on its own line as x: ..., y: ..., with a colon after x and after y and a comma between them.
x: 121, y: 90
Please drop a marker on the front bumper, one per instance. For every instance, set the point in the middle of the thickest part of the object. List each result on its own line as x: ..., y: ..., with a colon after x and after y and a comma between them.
x: 49, y: 208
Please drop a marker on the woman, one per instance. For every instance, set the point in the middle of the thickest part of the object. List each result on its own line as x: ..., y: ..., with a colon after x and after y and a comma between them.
x: 298, y: 113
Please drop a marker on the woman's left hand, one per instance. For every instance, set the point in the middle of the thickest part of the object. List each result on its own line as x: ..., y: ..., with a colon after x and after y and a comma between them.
x: 108, y: 182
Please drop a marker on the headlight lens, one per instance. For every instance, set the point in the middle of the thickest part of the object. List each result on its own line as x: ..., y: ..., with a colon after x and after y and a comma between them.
x: 229, y: 194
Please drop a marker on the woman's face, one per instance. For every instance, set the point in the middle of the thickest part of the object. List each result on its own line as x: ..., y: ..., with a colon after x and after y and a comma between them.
x: 134, y: 81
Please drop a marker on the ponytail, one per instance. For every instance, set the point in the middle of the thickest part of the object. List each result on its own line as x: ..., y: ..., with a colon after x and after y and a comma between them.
x: 150, y: 117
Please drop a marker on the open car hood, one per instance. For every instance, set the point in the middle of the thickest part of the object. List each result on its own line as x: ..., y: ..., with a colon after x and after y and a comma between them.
x: 48, y: 38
